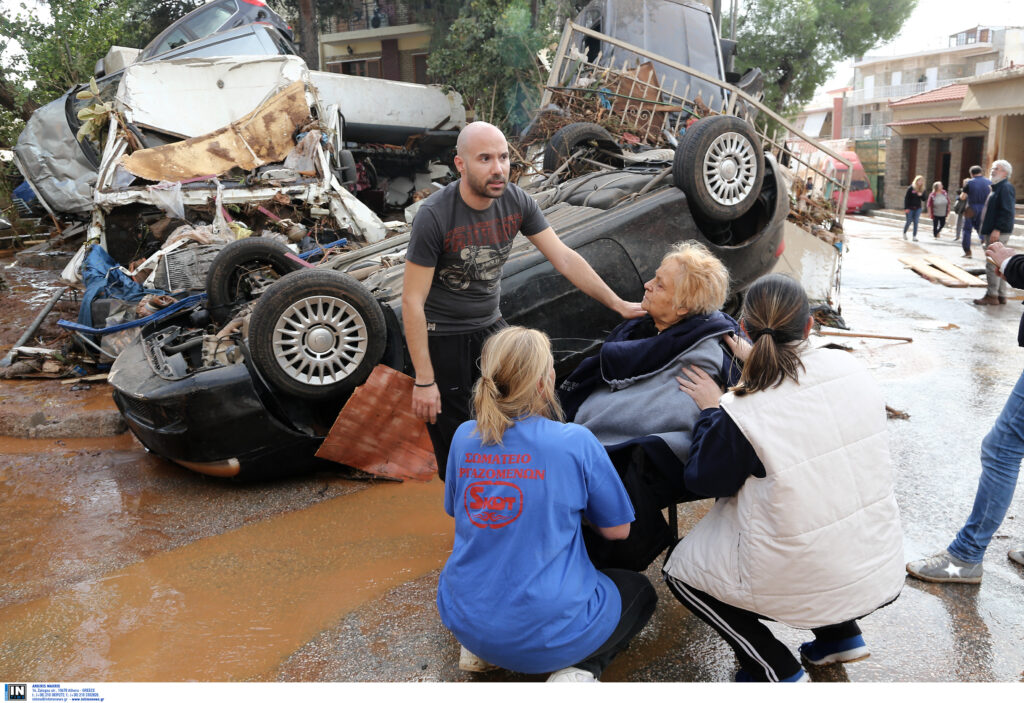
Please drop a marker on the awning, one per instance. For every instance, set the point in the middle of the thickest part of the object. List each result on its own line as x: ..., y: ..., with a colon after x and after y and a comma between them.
x: 969, y: 123
x: 994, y: 98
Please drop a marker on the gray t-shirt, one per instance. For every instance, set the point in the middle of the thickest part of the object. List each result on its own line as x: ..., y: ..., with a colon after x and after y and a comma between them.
x: 467, y: 249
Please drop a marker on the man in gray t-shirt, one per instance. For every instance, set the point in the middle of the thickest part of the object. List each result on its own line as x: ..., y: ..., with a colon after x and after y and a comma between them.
x: 460, y: 240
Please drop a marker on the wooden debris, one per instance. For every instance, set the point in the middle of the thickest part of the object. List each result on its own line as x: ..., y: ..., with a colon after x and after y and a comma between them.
x: 894, y: 414
x: 931, y: 273
x: 79, y: 379
x: 829, y: 333
x: 955, y: 271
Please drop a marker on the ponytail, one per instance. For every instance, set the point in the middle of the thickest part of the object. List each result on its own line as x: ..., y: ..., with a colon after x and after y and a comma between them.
x: 515, y: 382
x: 775, y: 313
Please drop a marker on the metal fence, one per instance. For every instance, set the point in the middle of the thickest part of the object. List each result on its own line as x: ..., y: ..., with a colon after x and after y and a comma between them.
x: 639, y: 96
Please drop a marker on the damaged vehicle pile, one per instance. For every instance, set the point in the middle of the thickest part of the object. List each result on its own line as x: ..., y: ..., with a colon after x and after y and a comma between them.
x: 239, y: 275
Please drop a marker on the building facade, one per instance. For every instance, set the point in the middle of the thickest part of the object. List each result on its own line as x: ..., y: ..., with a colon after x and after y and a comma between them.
x: 378, y: 39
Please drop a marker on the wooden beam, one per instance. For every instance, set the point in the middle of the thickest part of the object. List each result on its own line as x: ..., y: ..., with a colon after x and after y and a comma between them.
x: 955, y: 271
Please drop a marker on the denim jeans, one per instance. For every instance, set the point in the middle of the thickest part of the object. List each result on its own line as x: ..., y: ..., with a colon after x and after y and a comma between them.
x: 1001, y: 454
x: 969, y: 223
x: 913, y: 215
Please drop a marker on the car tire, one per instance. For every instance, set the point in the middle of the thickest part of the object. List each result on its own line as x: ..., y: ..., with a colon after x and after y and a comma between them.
x: 236, y: 274
x: 317, y: 334
x: 571, y: 137
x: 720, y: 166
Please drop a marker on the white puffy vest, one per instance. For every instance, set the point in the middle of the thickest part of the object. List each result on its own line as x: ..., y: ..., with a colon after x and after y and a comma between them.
x: 818, y: 540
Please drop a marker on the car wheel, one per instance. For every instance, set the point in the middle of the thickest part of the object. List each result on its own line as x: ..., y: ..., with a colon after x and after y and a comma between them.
x: 317, y: 334
x: 594, y: 139
x: 241, y: 271
x: 720, y: 166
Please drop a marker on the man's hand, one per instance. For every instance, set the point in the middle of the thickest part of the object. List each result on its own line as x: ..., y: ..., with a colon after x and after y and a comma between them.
x: 630, y: 310
x: 999, y: 253
x: 426, y: 402
x: 700, y: 386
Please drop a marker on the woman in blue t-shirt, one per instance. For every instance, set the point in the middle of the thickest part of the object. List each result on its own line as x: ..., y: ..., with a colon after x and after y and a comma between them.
x: 519, y: 590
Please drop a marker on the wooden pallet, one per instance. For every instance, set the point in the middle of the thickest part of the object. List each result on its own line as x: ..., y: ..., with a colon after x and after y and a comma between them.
x: 938, y: 270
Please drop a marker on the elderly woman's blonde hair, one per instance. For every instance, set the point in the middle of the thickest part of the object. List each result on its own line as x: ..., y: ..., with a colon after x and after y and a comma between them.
x: 701, y: 282
x: 515, y: 382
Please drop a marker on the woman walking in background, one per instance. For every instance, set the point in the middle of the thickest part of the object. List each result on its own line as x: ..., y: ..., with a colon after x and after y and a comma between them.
x: 805, y: 530
x: 938, y: 207
x: 912, y: 205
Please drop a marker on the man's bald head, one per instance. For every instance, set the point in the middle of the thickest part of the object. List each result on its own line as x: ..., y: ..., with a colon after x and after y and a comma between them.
x: 473, y: 133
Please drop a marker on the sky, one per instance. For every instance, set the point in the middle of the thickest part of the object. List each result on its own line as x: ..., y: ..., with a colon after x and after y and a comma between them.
x: 930, y: 25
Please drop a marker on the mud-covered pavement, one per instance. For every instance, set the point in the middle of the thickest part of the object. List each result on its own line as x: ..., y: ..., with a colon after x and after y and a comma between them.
x: 122, y: 567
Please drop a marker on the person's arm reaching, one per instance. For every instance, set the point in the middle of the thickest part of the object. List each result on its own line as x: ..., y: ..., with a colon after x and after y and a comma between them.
x: 575, y: 268
x: 426, y: 399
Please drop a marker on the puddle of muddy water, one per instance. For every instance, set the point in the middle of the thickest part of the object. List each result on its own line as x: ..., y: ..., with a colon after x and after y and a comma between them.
x: 232, y: 606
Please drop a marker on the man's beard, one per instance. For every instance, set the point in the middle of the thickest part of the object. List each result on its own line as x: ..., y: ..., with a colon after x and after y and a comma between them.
x: 480, y: 187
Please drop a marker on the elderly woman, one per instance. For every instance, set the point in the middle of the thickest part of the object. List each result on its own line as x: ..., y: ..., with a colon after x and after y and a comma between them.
x: 628, y: 397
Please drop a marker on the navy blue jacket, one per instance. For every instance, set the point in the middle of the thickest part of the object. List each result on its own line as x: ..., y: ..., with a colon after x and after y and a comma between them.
x: 977, y: 190
x: 999, y: 210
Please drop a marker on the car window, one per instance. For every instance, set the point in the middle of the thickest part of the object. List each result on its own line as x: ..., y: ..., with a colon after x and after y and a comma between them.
x: 247, y: 44
x: 210, y: 20
x: 177, y: 37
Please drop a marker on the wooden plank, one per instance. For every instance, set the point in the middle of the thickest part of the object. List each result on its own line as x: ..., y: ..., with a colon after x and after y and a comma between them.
x: 926, y: 270
x: 78, y: 379
x: 955, y: 271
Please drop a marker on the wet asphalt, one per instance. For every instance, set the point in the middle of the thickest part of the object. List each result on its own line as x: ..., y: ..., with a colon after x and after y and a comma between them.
x: 122, y: 567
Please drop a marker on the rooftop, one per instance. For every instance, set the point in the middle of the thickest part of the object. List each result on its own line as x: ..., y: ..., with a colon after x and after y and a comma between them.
x: 955, y: 91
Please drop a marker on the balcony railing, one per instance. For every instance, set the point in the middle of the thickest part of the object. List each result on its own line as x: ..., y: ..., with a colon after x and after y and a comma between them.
x: 371, y: 14
x: 871, y: 131
x: 893, y: 92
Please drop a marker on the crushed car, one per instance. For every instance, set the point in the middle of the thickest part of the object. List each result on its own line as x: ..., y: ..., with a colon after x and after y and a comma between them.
x: 247, y: 382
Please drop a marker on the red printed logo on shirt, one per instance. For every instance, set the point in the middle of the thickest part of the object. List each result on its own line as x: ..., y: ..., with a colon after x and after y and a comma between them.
x: 493, y: 504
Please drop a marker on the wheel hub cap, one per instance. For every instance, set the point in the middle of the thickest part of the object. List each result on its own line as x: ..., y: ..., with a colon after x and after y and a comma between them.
x: 730, y: 168
x: 320, y: 340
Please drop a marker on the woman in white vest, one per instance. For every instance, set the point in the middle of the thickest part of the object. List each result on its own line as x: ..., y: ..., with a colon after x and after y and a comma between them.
x: 805, y: 530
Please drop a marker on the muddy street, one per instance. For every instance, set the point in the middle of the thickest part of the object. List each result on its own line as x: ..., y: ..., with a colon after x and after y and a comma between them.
x: 123, y: 567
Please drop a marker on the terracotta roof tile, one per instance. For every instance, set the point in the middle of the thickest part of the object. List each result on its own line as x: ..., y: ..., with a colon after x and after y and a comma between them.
x: 954, y: 91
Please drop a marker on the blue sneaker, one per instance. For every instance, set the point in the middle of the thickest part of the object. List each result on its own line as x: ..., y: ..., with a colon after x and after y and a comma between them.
x: 799, y: 677
x: 851, y: 649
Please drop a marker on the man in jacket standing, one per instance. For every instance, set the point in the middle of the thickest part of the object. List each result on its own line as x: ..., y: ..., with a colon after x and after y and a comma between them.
x: 977, y: 190
x: 996, y: 225
x: 1003, y: 447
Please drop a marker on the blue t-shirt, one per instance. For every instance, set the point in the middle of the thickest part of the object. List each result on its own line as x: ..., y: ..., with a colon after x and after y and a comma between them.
x: 519, y: 590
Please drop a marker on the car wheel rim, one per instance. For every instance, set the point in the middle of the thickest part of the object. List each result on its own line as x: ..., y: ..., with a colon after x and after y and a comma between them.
x: 320, y: 340
x: 730, y: 168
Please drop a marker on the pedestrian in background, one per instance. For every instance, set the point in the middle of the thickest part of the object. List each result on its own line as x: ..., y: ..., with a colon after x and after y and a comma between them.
x: 996, y: 225
x: 958, y: 208
x: 977, y: 189
x: 912, y: 202
x: 1003, y: 447
x: 938, y: 207
x: 519, y: 590
x: 805, y: 529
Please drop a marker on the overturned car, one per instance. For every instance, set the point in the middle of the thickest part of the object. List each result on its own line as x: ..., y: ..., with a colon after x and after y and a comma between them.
x: 248, y: 383
x: 256, y: 398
